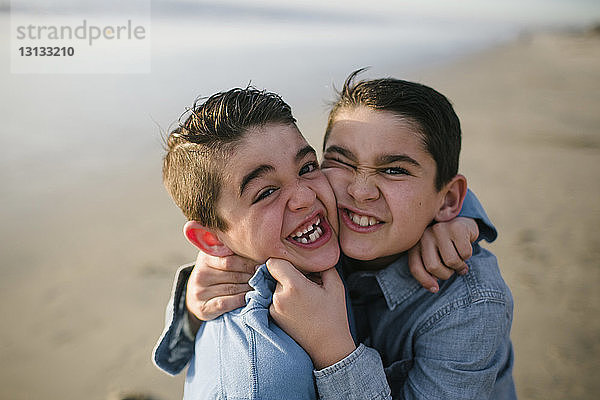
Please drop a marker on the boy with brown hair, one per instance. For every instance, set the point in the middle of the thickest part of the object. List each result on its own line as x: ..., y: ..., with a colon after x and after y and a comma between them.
x: 391, y: 155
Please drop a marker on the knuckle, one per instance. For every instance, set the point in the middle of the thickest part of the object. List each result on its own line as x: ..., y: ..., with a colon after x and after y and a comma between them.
x: 437, y: 229
x: 468, y: 252
x: 453, y: 261
x: 220, y: 303
x: 202, y: 313
x: 433, y: 268
x: 444, y: 274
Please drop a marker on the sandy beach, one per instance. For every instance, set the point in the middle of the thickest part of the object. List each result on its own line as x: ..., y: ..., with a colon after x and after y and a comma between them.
x: 531, y: 152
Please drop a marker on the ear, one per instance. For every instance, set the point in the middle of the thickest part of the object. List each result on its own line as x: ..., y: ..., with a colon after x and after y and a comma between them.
x: 453, y: 196
x: 205, y: 239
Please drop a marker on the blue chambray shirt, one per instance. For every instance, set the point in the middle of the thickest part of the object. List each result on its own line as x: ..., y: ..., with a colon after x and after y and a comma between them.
x: 451, y: 345
x: 360, y: 375
x: 244, y: 355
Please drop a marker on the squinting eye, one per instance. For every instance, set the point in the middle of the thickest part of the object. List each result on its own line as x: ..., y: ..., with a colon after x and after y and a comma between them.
x: 334, y: 162
x: 264, y: 194
x: 310, y: 167
x: 395, y: 171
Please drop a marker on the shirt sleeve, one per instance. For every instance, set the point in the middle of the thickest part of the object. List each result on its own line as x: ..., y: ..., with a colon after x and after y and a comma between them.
x: 461, y: 357
x: 175, y: 347
x: 358, y: 376
x: 472, y: 208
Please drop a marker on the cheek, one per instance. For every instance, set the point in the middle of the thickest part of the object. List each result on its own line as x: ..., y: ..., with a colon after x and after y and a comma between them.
x: 337, y: 179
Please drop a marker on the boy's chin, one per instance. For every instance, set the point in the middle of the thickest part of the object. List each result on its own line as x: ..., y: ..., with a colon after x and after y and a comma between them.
x: 320, y: 265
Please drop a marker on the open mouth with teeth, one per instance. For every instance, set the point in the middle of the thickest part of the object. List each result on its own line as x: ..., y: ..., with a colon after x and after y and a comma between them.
x: 312, y: 234
x: 359, y: 222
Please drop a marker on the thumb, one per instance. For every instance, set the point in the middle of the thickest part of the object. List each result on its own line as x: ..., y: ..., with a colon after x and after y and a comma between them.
x: 283, y: 271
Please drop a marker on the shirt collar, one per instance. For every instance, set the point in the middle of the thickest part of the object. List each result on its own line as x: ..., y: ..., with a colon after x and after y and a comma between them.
x: 396, y: 282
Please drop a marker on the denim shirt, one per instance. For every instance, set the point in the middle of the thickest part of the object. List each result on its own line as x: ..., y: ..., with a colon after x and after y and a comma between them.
x: 175, y: 347
x: 243, y: 354
x: 451, y: 345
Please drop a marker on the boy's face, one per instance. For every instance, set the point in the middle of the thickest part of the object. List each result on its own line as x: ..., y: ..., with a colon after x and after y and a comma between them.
x: 277, y: 201
x: 383, y: 181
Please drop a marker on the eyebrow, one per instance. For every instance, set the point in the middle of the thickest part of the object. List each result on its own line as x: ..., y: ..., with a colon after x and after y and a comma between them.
x: 381, y: 160
x: 265, y: 168
x: 392, y: 158
x: 254, y: 174
x: 342, y: 151
x: 303, y: 152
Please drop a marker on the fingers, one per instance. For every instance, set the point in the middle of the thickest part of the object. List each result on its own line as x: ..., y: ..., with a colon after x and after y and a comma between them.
x: 219, y: 290
x: 217, y: 285
x: 206, y: 276
x: 463, y: 249
x: 284, y: 272
x: 450, y: 258
x: 431, y: 258
x: 464, y: 231
x: 471, y: 227
x: 230, y: 263
x: 418, y: 271
x: 217, y: 306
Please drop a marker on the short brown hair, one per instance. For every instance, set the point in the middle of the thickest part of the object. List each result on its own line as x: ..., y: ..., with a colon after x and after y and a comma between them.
x: 198, y: 149
x: 429, y: 110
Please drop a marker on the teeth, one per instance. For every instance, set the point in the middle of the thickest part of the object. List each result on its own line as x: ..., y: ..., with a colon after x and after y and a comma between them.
x: 313, y: 236
x: 362, y: 220
x: 313, y: 228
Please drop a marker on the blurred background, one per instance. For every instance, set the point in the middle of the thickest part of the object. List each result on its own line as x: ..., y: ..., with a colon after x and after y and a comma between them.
x: 89, y: 239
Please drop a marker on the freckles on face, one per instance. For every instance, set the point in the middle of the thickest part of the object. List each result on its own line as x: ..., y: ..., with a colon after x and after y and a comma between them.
x: 383, y: 180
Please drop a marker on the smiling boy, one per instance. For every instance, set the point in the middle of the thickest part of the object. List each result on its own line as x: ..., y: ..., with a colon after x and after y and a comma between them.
x: 333, y: 343
x: 391, y: 154
x: 249, y: 184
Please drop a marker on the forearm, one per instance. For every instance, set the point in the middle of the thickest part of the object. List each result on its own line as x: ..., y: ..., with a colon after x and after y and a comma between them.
x: 358, y: 376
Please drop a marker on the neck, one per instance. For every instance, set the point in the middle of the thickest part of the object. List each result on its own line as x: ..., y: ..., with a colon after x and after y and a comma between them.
x: 371, y: 265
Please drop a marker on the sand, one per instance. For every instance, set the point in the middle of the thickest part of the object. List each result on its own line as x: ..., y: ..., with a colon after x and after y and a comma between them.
x: 84, y: 326
x: 532, y: 153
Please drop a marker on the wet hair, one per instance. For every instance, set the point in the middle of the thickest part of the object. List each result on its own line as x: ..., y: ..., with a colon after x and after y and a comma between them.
x: 198, y: 149
x: 426, y: 109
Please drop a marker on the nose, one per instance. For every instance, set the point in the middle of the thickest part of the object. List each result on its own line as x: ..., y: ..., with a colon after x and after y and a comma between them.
x: 302, y: 197
x: 362, y: 188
